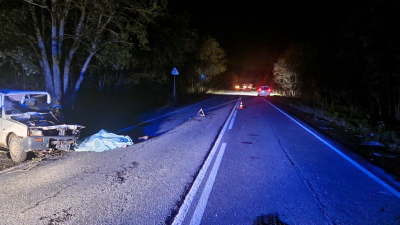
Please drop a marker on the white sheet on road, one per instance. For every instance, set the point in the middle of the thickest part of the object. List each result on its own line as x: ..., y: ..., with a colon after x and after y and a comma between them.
x: 103, y: 141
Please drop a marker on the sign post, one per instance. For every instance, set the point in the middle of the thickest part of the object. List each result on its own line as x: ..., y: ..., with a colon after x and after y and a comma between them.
x: 203, y: 78
x: 174, y: 72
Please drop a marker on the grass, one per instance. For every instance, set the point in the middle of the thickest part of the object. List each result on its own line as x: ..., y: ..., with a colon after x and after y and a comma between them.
x: 354, y: 121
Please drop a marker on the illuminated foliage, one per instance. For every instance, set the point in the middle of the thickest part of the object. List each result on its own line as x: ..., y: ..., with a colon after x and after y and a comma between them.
x: 65, y: 35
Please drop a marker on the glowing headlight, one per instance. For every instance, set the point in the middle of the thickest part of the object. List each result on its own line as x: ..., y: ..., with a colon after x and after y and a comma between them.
x: 36, y: 133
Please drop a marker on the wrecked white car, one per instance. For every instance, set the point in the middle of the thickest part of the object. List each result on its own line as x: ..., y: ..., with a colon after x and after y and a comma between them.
x: 28, y: 123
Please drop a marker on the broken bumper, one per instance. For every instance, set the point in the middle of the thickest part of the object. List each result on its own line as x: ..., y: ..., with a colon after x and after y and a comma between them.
x: 48, y: 142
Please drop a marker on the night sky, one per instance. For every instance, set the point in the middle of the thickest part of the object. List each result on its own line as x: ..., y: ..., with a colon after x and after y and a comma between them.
x: 253, y: 33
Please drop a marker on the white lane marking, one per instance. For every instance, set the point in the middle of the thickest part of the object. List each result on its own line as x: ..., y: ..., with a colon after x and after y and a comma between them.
x: 201, y: 205
x: 234, y: 115
x: 179, y: 218
x: 128, y: 128
x: 233, y: 119
x: 381, y: 182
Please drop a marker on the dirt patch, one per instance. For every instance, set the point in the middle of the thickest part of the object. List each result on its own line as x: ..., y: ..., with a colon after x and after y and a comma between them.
x: 5, y: 160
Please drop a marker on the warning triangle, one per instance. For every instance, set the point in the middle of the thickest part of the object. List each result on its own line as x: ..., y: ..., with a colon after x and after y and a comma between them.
x: 201, y: 113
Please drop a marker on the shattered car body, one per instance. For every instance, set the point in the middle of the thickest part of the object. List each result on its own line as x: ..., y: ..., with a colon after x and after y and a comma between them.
x: 28, y: 123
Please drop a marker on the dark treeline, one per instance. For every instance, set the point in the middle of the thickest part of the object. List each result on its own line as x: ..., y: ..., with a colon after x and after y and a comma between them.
x: 352, y: 70
x: 66, y: 47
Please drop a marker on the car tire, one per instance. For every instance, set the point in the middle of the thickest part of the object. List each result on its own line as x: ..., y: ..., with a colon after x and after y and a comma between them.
x: 17, y: 152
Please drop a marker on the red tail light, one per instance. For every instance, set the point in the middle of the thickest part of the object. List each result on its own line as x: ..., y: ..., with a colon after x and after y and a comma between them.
x: 259, y: 89
x: 269, y: 89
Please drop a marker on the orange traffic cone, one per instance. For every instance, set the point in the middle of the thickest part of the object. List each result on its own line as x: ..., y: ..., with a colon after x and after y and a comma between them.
x: 241, y: 105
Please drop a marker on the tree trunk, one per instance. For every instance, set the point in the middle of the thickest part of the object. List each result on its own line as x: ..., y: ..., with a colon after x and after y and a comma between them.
x: 44, y: 63
x: 102, y: 82
x: 82, y: 74
x: 121, y: 78
x: 54, y: 53
x: 72, y: 51
x: 66, y: 76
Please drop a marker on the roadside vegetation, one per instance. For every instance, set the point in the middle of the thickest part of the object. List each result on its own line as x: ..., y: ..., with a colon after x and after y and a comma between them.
x: 375, y: 134
x: 349, y: 75
x: 107, y: 62
x: 66, y: 47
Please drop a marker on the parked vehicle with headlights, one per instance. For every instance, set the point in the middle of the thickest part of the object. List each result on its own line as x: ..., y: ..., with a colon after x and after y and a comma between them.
x: 28, y: 123
x: 244, y: 87
x: 264, y: 91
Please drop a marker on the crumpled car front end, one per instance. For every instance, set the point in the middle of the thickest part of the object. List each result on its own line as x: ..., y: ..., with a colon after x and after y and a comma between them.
x: 44, y: 132
x: 61, y: 137
x: 29, y: 122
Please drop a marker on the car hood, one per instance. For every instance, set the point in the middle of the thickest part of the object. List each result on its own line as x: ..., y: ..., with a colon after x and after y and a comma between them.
x: 42, y: 120
x: 36, y: 119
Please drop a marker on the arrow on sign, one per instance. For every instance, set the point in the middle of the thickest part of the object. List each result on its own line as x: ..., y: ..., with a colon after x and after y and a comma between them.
x: 175, y: 71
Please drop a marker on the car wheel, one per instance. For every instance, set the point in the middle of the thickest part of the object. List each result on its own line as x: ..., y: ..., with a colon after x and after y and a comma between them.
x: 17, y: 152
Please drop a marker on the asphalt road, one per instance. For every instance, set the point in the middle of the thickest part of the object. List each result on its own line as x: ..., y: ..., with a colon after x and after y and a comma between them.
x: 231, y: 166
x: 274, y: 168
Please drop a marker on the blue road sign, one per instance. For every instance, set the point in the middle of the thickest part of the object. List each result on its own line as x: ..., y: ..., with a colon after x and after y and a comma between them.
x: 203, y: 77
x: 175, y: 71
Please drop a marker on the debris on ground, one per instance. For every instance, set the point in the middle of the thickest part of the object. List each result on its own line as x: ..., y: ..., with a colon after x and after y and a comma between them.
x: 143, y: 138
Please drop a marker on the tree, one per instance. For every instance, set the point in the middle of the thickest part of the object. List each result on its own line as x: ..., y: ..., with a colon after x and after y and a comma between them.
x: 58, y: 30
x: 208, y: 59
x: 211, y: 58
x: 171, y: 41
x: 287, y: 70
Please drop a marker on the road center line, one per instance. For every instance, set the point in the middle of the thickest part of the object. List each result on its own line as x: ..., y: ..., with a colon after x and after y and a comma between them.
x: 179, y: 218
x: 232, y: 120
x: 234, y: 115
x: 381, y: 182
x: 201, y: 205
